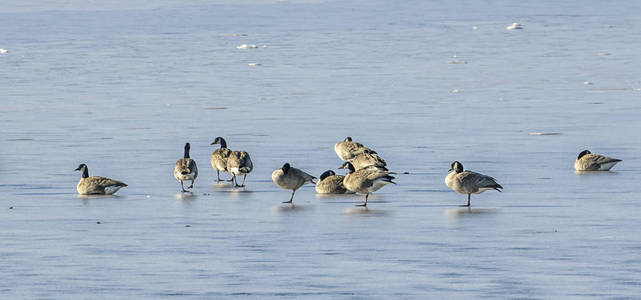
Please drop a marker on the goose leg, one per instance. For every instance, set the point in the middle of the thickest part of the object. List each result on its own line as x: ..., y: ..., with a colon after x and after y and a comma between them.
x: 244, y: 177
x: 292, y: 198
x: 192, y: 184
x: 182, y: 186
x: 218, y: 175
x: 364, y: 204
x: 235, y: 180
x: 468, y: 201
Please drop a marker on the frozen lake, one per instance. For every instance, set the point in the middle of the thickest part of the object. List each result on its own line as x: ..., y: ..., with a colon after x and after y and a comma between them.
x: 122, y: 86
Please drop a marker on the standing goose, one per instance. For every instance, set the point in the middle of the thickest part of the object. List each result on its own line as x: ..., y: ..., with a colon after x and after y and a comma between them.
x: 347, y: 150
x: 330, y: 183
x: 291, y: 178
x: 468, y: 182
x: 219, y: 157
x: 365, y: 181
x: 239, y: 163
x: 186, y: 169
x: 369, y: 160
x: 588, y: 161
x: 96, y: 185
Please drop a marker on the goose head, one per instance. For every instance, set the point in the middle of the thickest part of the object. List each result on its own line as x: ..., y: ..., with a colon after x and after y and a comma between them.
x: 349, y: 166
x: 327, y: 174
x: 83, y: 168
x: 348, y: 139
x: 457, y: 167
x: 285, y: 168
x: 220, y: 141
x: 584, y: 152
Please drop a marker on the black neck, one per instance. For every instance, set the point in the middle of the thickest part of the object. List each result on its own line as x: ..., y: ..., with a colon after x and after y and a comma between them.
x: 85, y: 172
x: 223, y: 143
x: 186, y: 152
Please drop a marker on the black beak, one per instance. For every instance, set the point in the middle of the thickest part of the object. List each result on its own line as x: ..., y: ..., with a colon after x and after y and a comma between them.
x: 212, y: 143
x: 77, y: 169
x: 450, y: 170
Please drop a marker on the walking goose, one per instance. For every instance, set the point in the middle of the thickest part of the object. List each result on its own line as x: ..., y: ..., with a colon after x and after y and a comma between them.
x: 365, y: 181
x: 588, y: 161
x: 186, y: 169
x: 468, y: 182
x: 239, y: 163
x: 291, y: 178
x: 96, y: 185
x: 347, y: 150
x: 330, y: 183
x: 219, y: 157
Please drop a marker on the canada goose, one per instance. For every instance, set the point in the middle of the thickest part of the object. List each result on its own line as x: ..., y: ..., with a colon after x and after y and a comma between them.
x: 239, y: 163
x: 347, y: 150
x: 365, y: 181
x: 291, y: 178
x: 186, y: 169
x: 588, y: 161
x: 330, y: 183
x: 369, y: 160
x: 468, y: 182
x: 96, y: 185
x: 219, y: 157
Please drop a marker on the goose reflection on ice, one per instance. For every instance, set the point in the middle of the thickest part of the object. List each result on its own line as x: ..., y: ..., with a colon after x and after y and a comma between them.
x: 460, y: 212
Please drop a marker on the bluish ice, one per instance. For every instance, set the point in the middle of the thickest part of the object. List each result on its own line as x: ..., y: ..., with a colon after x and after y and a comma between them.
x: 122, y: 85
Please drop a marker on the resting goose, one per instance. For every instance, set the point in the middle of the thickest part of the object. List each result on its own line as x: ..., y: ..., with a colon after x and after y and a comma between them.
x: 365, y: 181
x: 588, y: 161
x: 369, y: 160
x: 468, y: 182
x: 186, y: 169
x: 347, y: 149
x: 219, y: 157
x: 239, y: 163
x: 291, y: 178
x: 96, y: 185
x: 330, y: 183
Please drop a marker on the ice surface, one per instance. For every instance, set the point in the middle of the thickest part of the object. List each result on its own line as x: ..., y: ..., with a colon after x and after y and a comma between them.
x: 122, y: 85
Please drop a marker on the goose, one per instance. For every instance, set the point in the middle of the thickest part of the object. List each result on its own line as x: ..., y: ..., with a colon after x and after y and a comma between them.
x: 369, y: 160
x: 291, y: 178
x: 468, y: 182
x: 347, y: 149
x: 96, y: 185
x: 219, y: 157
x: 186, y: 169
x: 365, y: 181
x: 239, y: 163
x: 588, y: 161
x: 330, y: 183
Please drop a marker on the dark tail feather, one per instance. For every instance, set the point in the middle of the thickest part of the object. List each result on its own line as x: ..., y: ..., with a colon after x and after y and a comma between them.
x: 389, y: 179
x: 496, y: 187
x: 184, y: 172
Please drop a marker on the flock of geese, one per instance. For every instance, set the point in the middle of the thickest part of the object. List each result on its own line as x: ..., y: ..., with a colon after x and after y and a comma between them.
x: 367, y: 173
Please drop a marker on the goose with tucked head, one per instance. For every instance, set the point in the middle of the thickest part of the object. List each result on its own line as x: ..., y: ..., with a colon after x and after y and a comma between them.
x: 365, y: 181
x: 96, y: 185
x: 369, y: 160
x: 330, y: 183
x: 468, y: 182
x: 348, y: 149
x: 219, y: 157
x: 186, y: 169
x: 290, y: 178
x: 239, y: 163
x: 588, y: 161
